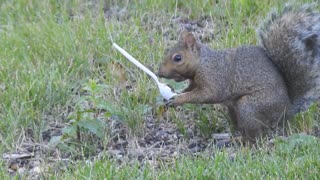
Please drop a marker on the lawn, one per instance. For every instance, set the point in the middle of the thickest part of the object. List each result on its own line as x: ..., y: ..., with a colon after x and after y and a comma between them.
x: 73, y: 107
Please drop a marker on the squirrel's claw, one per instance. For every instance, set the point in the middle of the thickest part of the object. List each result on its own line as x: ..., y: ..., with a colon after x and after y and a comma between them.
x: 171, y: 102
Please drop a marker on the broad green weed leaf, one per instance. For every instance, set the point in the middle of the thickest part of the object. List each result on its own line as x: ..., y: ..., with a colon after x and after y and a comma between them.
x: 95, y: 126
x: 55, y: 140
x: 295, y: 142
x: 70, y: 131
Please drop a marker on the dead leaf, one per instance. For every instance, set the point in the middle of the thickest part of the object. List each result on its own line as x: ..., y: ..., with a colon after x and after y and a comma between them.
x: 118, y: 71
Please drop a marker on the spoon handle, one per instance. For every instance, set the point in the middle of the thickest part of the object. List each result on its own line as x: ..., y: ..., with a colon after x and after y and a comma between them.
x: 137, y: 63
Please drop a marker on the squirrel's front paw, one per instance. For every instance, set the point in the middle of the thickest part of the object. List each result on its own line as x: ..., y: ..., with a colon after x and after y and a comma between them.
x: 171, y: 102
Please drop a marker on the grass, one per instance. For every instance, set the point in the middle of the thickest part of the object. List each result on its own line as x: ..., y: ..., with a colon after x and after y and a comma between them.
x: 296, y: 158
x: 50, y: 51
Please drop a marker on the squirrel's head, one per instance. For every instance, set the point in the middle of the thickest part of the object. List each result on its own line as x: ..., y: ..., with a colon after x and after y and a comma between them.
x: 181, y: 61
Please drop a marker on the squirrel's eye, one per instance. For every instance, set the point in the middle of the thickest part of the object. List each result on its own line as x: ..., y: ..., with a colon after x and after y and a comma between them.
x: 177, y: 58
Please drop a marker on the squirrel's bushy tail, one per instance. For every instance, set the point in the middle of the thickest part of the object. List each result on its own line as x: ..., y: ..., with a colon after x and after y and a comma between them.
x: 291, y: 39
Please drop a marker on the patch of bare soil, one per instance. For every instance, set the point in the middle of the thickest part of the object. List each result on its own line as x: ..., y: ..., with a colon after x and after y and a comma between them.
x: 161, y: 142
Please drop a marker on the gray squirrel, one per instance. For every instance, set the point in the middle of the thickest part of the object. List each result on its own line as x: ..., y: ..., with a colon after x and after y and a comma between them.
x: 260, y: 85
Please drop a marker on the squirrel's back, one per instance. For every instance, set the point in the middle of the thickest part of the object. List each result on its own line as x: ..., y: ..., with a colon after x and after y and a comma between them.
x: 291, y: 39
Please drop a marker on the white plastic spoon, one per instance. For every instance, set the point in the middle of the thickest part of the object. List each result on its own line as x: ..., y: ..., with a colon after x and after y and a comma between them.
x: 165, y: 90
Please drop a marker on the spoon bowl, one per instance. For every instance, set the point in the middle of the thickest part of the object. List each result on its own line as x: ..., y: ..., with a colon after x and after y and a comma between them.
x: 165, y: 90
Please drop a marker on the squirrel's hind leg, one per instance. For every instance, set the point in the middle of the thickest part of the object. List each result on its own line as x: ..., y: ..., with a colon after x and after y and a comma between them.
x: 252, y: 123
x: 256, y: 117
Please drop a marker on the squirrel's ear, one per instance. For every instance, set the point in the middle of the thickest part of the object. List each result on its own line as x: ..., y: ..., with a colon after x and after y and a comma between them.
x: 187, y: 38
